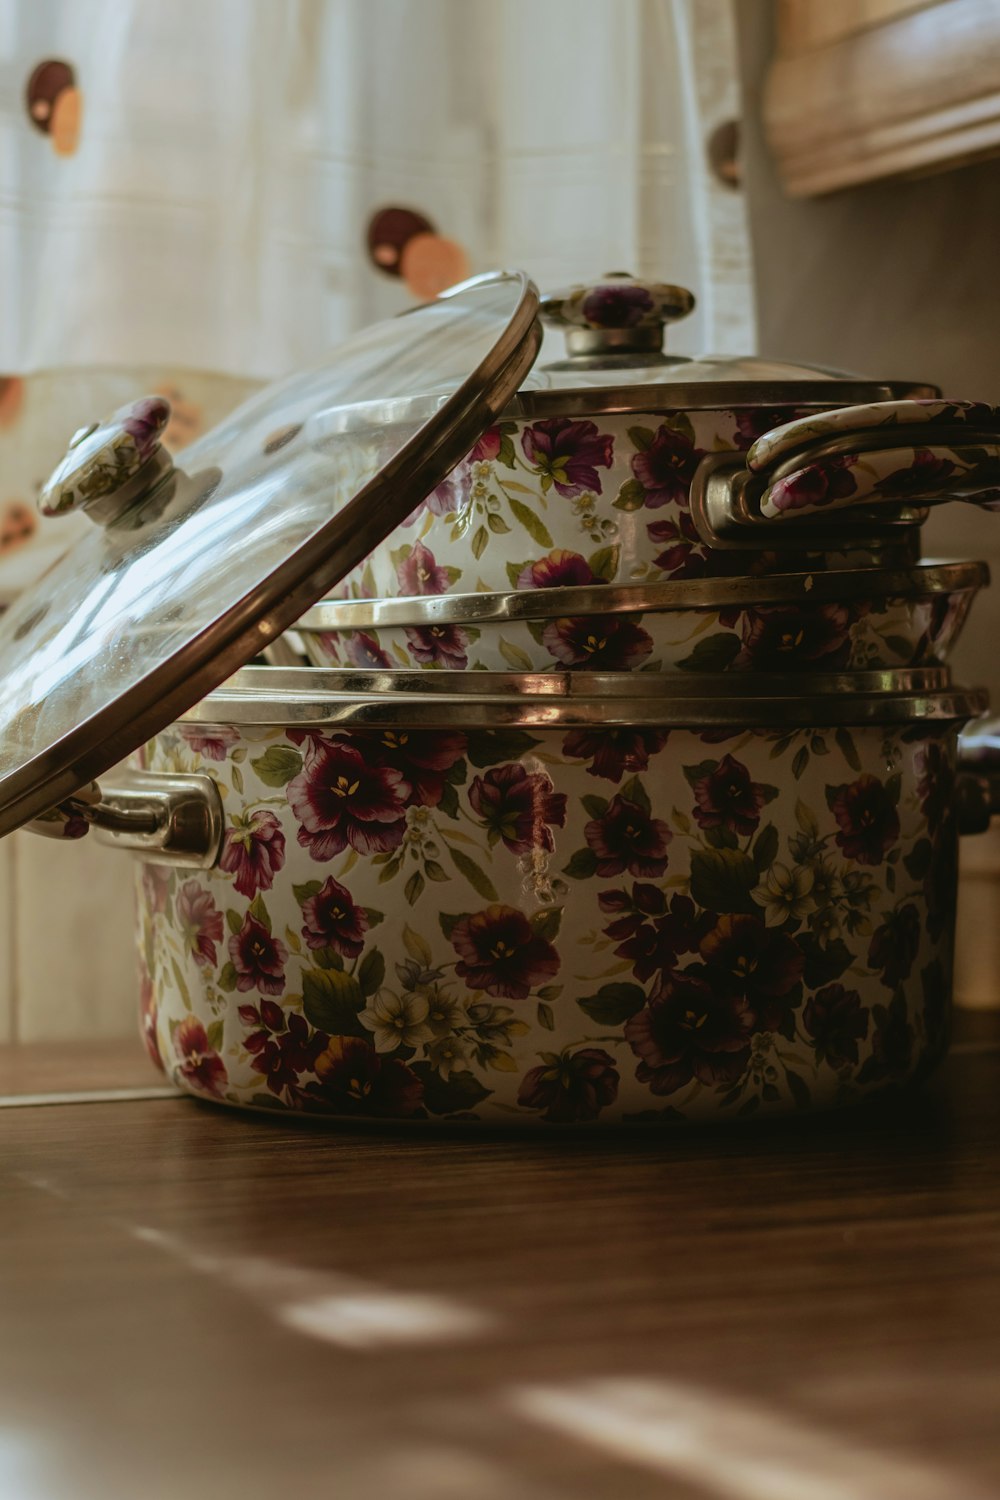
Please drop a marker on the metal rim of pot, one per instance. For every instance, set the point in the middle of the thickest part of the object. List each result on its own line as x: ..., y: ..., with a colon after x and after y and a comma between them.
x: 703, y: 594
x: 961, y: 705
x: 275, y: 696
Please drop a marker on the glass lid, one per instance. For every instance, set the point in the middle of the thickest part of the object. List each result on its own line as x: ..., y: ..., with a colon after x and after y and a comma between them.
x: 190, y: 571
x: 614, y: 330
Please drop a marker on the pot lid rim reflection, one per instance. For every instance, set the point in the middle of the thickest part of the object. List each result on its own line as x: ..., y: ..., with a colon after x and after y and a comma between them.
x: 57, y: 765
x: 572, y: 682
x: 648, y: 396
x: 703, y: 594
x: 268, y: 696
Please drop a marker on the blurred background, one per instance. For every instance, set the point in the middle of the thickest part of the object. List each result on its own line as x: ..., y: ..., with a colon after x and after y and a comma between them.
x: 197, y: 198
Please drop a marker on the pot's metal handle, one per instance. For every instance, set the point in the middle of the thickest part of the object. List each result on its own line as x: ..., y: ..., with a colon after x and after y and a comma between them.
x: 168, y: 819
x: 858, y: 459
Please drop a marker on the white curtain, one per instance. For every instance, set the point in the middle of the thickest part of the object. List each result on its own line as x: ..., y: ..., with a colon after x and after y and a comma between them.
x: 199, y: 224
x: 185, y: 193
x: 203, y: 227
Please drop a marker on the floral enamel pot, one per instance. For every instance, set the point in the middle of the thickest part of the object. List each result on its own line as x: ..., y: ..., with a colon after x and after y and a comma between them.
x: 824, y: 622
x: 552, y: 908
x: 564, y: 896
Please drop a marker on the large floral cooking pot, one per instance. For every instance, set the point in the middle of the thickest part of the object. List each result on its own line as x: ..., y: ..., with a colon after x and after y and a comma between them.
x: 568, y: 905
x: 599, y: 897
x: 857, y: 619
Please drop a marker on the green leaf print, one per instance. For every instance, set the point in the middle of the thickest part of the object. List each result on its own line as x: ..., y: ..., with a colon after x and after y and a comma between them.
x: 332, y: 1001
x: 277, y: 765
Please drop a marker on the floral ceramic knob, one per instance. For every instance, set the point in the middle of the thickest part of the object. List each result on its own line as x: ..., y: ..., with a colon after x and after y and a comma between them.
x: 619, y: 312
x: 110, y: 464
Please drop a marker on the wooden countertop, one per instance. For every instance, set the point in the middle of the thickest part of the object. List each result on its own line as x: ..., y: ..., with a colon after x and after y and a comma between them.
x: 195, y: 1303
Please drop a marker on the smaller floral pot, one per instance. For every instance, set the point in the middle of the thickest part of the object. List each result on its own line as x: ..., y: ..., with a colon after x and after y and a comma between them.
x: 799, y: 622
x: 580, y: 498
x: 550, y: 908
x: 599, y: 458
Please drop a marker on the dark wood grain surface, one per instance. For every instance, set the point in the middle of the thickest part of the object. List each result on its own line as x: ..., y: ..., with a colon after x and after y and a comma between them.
x: 195, y: 1303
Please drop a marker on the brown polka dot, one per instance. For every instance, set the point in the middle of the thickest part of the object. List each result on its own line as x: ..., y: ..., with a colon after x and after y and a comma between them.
x: 389, y: 232
x: 18, y: 524
x: 46, y: 83
x: 67, y: 113
x: 11, y: 399
x: 185, y: 422
x: 430, y: 263
x: 724, y: 153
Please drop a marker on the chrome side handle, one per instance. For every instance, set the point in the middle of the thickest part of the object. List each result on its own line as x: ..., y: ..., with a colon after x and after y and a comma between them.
x: 168, y: 819
x: 852, y: 467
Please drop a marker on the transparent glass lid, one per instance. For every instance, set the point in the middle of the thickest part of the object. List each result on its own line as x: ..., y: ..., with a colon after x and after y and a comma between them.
x: 190, y: 571
x: 632, y: 368
x: 614, y: 329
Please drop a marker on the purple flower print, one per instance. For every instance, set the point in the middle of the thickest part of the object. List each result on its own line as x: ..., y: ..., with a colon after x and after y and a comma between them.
x: 626, y: 837
x: 420, y: 574
x: 665, y: 469
x: 556, y: 570
x: 567, y: 454
x: 258, y: 958
x: 333, y: 921
x: 570, y: 1088
x: 253, y: 850
x: 201, y: 922
x: 500, y: 953
x: 340, y: 799
x: 446, y: 645
x: 519, y: 807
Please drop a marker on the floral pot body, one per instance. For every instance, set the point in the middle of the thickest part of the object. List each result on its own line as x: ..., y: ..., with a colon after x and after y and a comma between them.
x: 858, y: 629
x: 573, y: 499
x: 567, y: 926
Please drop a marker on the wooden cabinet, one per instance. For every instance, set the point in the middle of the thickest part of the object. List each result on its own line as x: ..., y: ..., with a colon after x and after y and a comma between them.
x: 866, y: 89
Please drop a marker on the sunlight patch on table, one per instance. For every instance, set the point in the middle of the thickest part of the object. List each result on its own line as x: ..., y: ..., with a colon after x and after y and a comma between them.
x: 733, y: 1449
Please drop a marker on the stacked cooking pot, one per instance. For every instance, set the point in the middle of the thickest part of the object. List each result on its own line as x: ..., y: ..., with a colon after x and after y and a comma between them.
x: 624, y: 781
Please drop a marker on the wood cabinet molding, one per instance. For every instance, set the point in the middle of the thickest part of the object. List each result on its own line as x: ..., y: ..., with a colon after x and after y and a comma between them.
x: 906, y: 90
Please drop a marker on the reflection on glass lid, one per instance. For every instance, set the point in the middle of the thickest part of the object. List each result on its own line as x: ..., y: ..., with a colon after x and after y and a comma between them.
x: 192, y: 570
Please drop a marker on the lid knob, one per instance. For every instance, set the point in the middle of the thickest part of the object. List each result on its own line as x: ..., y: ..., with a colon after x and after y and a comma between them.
x: 108, y: 465
x: 617, y: 315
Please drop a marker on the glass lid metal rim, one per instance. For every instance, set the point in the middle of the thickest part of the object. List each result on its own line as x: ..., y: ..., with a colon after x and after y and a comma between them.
x: 207, y: 657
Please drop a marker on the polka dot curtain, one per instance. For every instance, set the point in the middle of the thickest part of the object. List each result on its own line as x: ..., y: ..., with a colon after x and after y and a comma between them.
x: 199, y: 196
